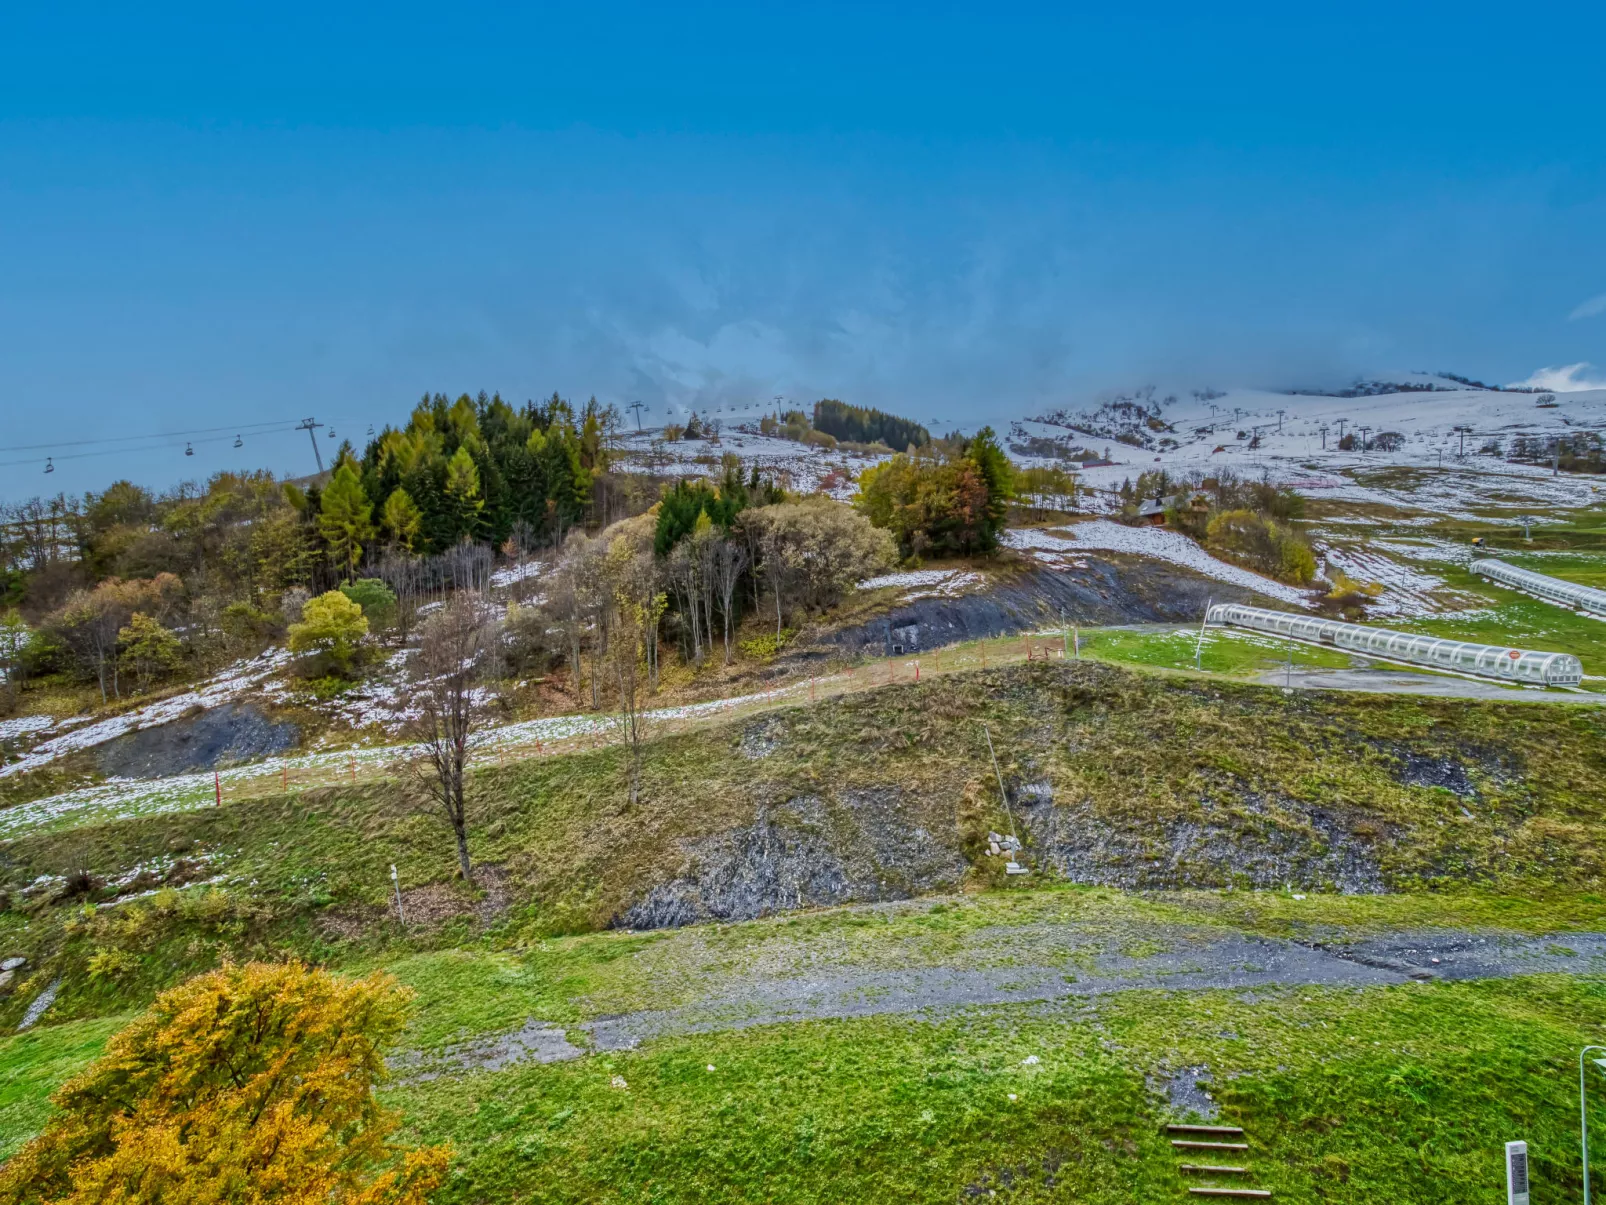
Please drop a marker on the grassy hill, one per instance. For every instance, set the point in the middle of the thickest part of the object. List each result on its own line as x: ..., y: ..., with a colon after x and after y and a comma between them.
x: 841, y: 849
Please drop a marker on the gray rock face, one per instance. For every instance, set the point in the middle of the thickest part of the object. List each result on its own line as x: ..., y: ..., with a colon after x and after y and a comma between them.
x: 1112, y: 589
x: 219, y: 736
x: 1290, y: 843
x: 865, y: 845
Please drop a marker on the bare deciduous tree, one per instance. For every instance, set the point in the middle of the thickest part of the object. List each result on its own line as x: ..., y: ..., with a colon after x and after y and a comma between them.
x: 454, y: 645
x: 730, y: 560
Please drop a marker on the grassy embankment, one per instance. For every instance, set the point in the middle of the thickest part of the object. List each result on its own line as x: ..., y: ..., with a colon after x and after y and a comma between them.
x: 1399, y: 1093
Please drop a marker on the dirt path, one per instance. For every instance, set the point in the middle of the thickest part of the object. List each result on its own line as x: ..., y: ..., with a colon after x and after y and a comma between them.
x: 1404, y: 682
x: 1079, y: 965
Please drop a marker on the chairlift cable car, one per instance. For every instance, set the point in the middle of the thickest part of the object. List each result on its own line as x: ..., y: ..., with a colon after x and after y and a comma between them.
x: 49, y: 464
x: 189, y: 449
x: 238, y: 442
x: 331, y: 432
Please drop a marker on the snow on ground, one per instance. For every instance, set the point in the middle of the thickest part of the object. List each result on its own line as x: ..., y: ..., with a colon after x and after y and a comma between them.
x: 225, y: 687
x: 805, y: 468
x: 1053, y: 548
x: 925, y: 583
x: 1291, y: 445
x: 121, y: 799
x: 1406, y: 591
x: 23, y: 725
x: 512, y: 575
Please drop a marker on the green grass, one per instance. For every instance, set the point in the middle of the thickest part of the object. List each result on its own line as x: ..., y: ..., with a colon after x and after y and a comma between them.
x: 35, y: 1063
x: 1389, y: 1094
x: 1222, y: 651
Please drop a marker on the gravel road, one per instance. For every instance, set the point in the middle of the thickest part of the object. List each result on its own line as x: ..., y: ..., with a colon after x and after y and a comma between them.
x: 1078, y: 965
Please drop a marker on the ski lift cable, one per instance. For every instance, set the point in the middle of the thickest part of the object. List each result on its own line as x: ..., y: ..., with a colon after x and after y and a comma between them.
x: 116, y: 451
x: 255, y: 428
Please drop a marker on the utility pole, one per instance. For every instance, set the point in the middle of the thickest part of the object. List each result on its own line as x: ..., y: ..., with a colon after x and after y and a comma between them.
x: 308, y: 425
x: 638, y: 408
x: 1555, y: 458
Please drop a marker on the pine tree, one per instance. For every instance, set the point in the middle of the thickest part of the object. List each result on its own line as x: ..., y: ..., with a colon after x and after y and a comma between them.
x: 402, y: 518
x: 463, y: 493
x: 344, y: 518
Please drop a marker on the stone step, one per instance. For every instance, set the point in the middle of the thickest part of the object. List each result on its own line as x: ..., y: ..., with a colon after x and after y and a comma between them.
x: 1190, y: 1145
x: 1183, y: 1129
x: 1229, y: 1192
x: 1212, y: 1169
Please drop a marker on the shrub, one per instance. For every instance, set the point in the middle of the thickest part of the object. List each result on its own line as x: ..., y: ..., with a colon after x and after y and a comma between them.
x: 248, y: 1084
x: 1261, y: 544
x: 1346, y: 587
x: 767, y: 646
x: 377, y: 600
x: 246, y: 624
x: 329, y: 635
x: 148, y: 649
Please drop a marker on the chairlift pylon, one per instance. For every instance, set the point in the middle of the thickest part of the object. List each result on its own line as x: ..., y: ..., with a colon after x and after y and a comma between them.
x: 50, y: 466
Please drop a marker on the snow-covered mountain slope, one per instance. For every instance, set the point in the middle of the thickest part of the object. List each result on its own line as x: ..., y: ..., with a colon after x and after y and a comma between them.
x: 1292, y: 438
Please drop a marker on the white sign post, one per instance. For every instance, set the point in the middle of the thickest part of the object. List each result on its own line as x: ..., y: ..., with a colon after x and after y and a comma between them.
x: 395, y: 882
x: 1516, y: 1173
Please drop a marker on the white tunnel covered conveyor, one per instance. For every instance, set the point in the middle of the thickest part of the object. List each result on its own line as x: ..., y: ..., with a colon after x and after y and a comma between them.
x: 1551, y: 589
x: 1486, y: 660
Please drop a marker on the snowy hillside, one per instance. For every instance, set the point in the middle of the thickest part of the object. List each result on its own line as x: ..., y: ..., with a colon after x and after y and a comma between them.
x: 1442, y: 424
x: 1252, y: 433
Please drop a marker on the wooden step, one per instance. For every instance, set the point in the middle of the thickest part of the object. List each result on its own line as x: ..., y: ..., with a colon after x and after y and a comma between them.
x: 1230, y: 1192
x: 1181, y: 1129
x: 1188, y: 1145
x: 1208, y: 1168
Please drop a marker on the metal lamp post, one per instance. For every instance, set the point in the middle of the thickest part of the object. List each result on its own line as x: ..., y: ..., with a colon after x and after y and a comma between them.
x: 1583, y: 1106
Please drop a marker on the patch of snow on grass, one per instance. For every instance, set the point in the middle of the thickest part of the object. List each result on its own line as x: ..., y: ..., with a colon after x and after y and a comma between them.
x: 924, y: 583
x: 1156, y: 542
x: 223, y: 688
x: 23, y: 725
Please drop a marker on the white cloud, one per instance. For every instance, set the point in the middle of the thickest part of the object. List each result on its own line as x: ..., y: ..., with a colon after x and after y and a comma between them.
x: 1588, y: 309
x: 1569, y: 378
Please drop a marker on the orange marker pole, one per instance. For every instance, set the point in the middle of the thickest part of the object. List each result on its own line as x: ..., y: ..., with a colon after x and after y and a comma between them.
x: 217, y: 782
x: 287, y: 778
x: 354, y: 769
x: 917, y: 671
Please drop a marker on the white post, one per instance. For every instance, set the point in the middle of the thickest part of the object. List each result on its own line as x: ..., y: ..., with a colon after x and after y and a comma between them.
x: 396, y: 883
x: 1198, y: 650
x: 1516, y: 1173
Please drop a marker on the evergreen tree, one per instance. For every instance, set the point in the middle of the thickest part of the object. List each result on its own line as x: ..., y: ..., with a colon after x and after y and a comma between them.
x: 463, y: 494
x: 344, y: 518
x: 402, y: 518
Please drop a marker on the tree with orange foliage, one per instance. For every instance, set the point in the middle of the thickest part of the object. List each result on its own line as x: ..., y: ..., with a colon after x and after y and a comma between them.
x: 250, y: 1085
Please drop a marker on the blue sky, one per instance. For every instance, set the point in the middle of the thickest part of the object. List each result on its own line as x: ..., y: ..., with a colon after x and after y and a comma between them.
x: 212, y: 218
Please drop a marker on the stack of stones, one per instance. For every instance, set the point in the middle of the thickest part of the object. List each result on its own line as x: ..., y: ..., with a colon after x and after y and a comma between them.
x: 1004, y: 846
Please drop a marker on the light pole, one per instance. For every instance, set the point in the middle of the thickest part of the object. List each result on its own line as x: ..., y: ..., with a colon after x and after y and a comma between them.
x: 1583, y: 1106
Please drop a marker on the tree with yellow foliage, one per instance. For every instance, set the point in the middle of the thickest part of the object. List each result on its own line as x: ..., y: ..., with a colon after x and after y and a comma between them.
x: 251, y: 1085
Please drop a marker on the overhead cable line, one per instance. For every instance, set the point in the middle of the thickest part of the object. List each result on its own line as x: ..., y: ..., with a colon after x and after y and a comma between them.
x: 255, y: 428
